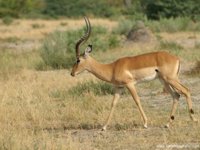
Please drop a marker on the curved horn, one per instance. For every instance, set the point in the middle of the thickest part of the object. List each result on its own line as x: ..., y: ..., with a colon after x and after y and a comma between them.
x: 84, y: 38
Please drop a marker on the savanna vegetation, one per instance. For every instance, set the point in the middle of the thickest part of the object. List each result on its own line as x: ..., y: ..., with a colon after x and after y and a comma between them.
x: 43, y: 107
x: 104, y: 8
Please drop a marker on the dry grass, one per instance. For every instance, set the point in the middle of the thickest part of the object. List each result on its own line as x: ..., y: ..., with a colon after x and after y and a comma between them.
x: 37, y: 29
x: 36, y: 111
x: 33, y: 113
x: 187, y: 39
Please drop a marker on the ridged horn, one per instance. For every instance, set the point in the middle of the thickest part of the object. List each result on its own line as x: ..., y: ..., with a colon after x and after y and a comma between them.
x: 84, y: 38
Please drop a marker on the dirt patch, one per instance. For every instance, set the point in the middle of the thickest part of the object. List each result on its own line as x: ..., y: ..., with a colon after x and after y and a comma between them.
x: 37, y: 29
x: 21, y: 46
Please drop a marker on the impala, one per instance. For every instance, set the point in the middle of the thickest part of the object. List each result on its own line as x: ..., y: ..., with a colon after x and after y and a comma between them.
x: 127, y: 71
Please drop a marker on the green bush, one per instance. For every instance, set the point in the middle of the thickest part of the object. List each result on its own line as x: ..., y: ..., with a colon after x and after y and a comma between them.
x: 58, y: 50
x: 171, y: 8
x: 163, y: 25
x: 113, y: 41
x: 16, y: 8
x: 7, y: 20
x: 171, y: 24
x: 71, y: 8
x: 135, y: 9
x: 124, y: 26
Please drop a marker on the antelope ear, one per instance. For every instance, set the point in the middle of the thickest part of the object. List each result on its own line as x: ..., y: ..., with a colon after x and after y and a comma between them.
x: 88, y: 50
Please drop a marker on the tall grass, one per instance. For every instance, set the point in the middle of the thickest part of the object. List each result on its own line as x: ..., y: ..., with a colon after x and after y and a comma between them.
x: 170, y: 45
x: 96, y: 88
x: 173, y: 25
x: 12, y: 62
x: 32, y: 118
x: 173, y: 47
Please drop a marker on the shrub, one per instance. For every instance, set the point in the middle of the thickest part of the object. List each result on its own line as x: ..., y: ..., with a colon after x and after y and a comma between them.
x: 171, y: 8
x: 124, y: 26
x: 58, y: 50
x: 173, y: 25
x: 7, y: 20
x: 113, y: 41
x: 170, y: 25
x: 16, y: 8
x: 71, y: 8
x: 163, y: 25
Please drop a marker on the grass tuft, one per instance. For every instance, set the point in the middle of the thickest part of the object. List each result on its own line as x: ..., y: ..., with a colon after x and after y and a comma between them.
x: 7, y: 20
x: 171, y: 46
x: 97, y: 88
x: 173, y: 25
x: 37, y: 26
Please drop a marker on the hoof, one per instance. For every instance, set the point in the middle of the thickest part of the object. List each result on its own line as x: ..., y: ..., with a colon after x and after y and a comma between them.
x: 103, y: 129
x: 194, y: 119
x: 167, y: 125
x: 145, y: 126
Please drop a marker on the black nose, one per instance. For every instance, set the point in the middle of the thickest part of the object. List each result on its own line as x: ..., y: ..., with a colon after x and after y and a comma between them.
x: 72, y: 74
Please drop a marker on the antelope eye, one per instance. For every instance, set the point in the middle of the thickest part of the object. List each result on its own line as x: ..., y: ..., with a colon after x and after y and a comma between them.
x: 78, y: 61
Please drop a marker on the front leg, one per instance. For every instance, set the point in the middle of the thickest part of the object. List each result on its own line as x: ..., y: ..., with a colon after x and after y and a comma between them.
x: 114, y: 102
x: 136, y: 98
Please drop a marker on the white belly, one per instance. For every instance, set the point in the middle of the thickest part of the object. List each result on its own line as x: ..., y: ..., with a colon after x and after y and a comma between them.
x: 149, y: 78
x: 145, y: 74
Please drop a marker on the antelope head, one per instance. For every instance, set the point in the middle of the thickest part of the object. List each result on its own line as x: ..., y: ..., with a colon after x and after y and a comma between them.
x: 82, y: 59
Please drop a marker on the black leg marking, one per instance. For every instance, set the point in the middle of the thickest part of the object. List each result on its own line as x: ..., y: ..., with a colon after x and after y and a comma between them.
x: 172, y: 117
x: 191, y: 111
x: 177, y: 95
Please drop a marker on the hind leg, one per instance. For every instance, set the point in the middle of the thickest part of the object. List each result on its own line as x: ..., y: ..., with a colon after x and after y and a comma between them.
x: 175, y: 97
x: 175, y: 84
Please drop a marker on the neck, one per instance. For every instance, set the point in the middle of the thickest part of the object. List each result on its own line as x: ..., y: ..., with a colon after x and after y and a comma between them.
x: 101, y: 71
